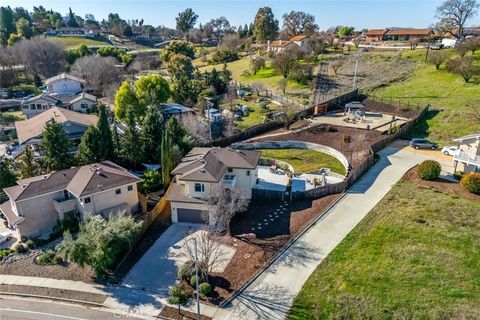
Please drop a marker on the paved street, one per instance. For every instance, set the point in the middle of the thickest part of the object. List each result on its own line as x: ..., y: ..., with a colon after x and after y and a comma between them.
x: 271, y: 294
x: 13, y: 308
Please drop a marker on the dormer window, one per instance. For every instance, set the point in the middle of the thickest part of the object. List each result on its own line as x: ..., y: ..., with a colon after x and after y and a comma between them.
x: 199, y: 187
x: 230, y: 170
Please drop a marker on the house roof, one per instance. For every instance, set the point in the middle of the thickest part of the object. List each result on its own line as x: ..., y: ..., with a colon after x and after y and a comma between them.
x: 209, y: 164
x: 410, y: 32
x: 63, y: 76
x: 177, y: 194
x: 12, y: 218
x: 280, y: 43
x: 33, y: 127
x: 83, y: 95
x: 376, y: 32
x: 468, y: 137
x: 80, y: 181
x: 298, y: 38
x: 45, y: 97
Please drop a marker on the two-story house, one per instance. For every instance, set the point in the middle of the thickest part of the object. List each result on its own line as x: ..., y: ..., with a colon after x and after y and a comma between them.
x: 65, y: 84
x: 468, y: 157
x: 201, y: 173
x: 36, y: 204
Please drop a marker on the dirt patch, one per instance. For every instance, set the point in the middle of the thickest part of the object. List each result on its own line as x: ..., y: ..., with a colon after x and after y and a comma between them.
x: 28, y: 267
x: 383, y: 107
x: 356, y: 150
x: 174, y: 314
x: 56, y: 293
x: 440, y: 185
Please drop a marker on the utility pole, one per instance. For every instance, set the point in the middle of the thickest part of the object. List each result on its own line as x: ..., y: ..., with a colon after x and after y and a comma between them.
x: 194, y: 239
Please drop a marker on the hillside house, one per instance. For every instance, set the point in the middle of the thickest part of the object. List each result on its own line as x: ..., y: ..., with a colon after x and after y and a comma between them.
x: 375, y: 35
x: 201, y: 172
x: 468, y: 159
x: 36, y: 204
x: 82, y: 102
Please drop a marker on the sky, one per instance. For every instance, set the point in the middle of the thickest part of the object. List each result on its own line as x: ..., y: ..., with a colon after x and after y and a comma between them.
x: 358, y: 13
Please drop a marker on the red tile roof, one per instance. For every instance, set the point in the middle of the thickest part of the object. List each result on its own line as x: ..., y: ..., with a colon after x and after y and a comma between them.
x: 409, y: 32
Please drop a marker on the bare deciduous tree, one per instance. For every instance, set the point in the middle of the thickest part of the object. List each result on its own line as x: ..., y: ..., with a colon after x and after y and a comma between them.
x: 231, y: 96
x: 336, y: 65
x: 258, y: 87
x: 437, y: 58
x: 463, y: 66
x: 456, y: 13
x: 282, y: 84
x: 41, y: 58
x: 229, y: 129
x: 196, y: 129
x: 208, y: 253
x: 287, y: 116
x: 285, y: 61
x: 99, y: 72
x: 225, y: 203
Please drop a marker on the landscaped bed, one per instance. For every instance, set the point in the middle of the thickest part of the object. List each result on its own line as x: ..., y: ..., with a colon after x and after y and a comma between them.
x: 415, y: 255
x: 303, y: 160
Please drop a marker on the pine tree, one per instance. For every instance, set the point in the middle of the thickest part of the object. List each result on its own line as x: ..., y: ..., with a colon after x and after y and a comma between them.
x: 131, y: 145
x: 72, y: 21
x: 151, y: 135
x: 175, y: 130
x: 7, y: 175
x: 88, y: 149
x: 166, y: 157
x: 55, y: 146
x: 28, y: 167
x: 105, y: 141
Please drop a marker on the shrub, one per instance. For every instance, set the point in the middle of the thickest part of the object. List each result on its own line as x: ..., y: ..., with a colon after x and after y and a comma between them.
x: 225, y: 55
x: 193, y: 281
x: 30, y: 244
x: 4, y: 253
x: 20, y: 248
x: 471, y: 182
x: 429, y: 170
x: 186, y: 270
x: 458, y: 175
x: 69, y: 223
x: 49, y: 257
x: 204, y: 288
x: 347, y: 139
x: 177, y: 295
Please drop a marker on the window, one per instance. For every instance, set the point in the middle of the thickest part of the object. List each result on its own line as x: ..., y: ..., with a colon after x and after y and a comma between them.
x: 229, y: 177
x: 86, y: 200
x: 118, y: 191
x: 199, y: 187
x: 230, y: 170
x: 248, y: 172
x: 84, y: 106
x: 130, y: 188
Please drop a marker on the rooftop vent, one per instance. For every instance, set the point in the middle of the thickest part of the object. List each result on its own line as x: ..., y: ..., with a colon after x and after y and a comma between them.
x: 45, y: 177
x: 24, y: 186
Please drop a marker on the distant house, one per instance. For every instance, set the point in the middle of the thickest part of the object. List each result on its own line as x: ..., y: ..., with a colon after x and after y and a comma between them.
x: 299, y: 41
x: 303, y: 42
x: 65, y: 84
x: 174, y: 110
x: 75, y: 124
x: 375, y: 35
x: 72, y: 32
x: 468, y: 158
x: 467, y: 33
x: 36, y: 204
x: 82, y: 102
x: 420, y: 35
x: 203, y: 170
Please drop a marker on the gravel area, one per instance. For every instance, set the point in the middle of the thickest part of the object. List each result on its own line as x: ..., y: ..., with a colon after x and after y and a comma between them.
x: 56, y: 293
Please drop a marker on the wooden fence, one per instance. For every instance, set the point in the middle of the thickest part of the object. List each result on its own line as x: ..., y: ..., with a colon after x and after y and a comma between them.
x: 276, y: 124
x: 262, y: 194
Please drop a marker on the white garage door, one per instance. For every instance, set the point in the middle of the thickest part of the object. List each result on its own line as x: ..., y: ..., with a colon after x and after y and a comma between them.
x: 192, y: 215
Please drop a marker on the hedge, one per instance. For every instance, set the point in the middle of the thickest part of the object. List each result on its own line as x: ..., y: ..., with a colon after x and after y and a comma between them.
x: 471, y: 182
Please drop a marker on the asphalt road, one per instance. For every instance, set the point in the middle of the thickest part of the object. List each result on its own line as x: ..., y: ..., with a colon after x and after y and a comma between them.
x: 13, y: 308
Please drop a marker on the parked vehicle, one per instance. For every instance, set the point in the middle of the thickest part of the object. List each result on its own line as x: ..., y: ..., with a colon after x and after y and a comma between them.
x: 450, y: 151
x: 5, y: 236
x: 423, y: 144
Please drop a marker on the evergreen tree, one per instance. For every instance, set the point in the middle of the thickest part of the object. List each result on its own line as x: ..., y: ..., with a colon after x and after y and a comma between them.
x: 28, y: 167
x: 7, y: 175
x: 72, y: 21
x: 105, y: 141
x: 7, y: 25
x: 166, y: 157
x: 265, y: 27
x: 88, y: 148
x: 131, y: 146
x: 117, y: 143
x: 55, y: 146
x: 175, y: 130
x: 151, y: 135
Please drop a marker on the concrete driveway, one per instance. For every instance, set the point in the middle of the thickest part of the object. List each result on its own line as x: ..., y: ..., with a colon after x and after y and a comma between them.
x: 156, y: 271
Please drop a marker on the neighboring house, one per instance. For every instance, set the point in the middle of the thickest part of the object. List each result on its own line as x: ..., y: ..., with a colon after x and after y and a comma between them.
x: 65, y: 84
x: 420, y: 35
x: 72, y: 32
x: 303, y: 42
x: 467, y: 33
x: 75, y: 124
x: 36, y: 204
x: 375, y: 35
x: 468, y: 158
x: 174, y: 110
x: 201, y: 172
x: 82, y: 102
x: 300, y: 41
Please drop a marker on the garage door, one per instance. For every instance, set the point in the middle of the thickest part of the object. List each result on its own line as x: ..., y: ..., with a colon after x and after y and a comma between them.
x: 192, y: 215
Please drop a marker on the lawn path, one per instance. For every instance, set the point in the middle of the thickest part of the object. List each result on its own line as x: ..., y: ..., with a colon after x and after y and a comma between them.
x: 272, y: 293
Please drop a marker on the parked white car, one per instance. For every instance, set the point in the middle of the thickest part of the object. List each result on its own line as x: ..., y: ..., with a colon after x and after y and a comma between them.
x: 450, y: 151
x: 5, y: 236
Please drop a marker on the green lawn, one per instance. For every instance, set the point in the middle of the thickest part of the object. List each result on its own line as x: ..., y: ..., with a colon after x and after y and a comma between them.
x: 75, y: 42
x: 443, y: 90
x: 304, y: 161
x: 256, y: 114
x: 415, y: 256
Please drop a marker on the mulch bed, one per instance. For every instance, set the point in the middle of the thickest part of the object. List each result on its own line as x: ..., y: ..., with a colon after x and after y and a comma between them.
x: 440, y: 185
x: 172, y: 313
x: 255, y: 249
x: 332, y: 136
x: 56, y: 293
x: 27, y: 267
x: 402, y: 111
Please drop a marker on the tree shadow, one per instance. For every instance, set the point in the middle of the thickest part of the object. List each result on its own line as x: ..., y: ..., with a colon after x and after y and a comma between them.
x: 422, y: 128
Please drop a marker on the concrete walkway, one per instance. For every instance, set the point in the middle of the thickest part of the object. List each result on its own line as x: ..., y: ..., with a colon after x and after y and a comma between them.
x: 272, y: 293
